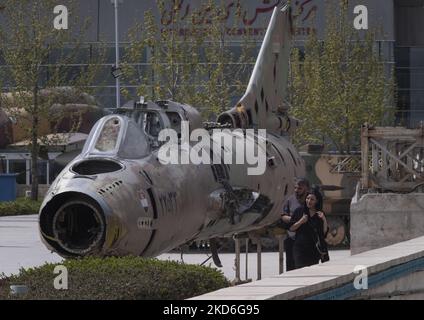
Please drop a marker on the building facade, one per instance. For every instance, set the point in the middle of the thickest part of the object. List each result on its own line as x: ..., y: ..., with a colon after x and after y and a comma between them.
x: 400, y: 44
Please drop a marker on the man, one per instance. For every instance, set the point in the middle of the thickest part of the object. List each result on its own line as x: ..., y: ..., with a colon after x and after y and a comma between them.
x: 295, y: 201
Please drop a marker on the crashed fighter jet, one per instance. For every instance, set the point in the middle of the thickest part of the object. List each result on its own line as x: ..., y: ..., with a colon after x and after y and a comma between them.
x: 118, y: 198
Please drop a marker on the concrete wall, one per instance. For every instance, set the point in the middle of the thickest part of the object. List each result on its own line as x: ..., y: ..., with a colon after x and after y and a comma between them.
x: 378, y: 220
x: 409, y: 287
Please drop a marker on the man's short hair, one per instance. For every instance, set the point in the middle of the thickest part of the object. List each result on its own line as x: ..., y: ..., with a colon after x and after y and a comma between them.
x: 302, y: 182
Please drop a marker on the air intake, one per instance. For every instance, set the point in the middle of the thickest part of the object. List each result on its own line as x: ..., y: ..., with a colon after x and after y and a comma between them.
x: 92, y: 167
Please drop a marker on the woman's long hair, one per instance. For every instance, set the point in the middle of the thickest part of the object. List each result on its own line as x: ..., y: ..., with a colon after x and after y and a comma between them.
x: 315, y: 191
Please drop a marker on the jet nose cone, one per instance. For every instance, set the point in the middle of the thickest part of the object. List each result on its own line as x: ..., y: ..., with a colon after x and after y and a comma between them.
x: 75, y: 227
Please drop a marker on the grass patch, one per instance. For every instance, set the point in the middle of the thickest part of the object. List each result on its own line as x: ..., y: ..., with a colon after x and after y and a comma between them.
x: 21, y: 206
x: 113, y: 278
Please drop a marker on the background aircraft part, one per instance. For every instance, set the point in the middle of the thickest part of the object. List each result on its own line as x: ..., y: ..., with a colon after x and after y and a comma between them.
x: 70, y: 110
x: 338, y: 231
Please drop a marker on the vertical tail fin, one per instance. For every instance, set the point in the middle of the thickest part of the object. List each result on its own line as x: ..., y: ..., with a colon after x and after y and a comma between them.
x: 262, y: 105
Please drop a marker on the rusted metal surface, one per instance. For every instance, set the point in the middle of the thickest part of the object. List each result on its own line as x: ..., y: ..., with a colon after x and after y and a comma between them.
x: 119, y: 187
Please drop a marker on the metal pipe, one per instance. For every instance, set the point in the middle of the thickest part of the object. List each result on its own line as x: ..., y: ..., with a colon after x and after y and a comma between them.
x: 247, y: 255
x: 280, y: 254
x: 259, y: 250
x: 237, y: 260
x: 118, y: 90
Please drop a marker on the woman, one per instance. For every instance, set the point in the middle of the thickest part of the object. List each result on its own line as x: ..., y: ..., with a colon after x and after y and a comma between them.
x: 311, y: 228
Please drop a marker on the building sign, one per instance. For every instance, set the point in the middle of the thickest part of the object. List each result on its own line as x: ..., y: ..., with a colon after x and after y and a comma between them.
x: 253, y: 16
x: 305, y: 12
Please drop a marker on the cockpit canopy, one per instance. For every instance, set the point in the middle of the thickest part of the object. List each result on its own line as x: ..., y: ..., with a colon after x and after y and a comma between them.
x: 153, y: 117
x: 117, y: 135
x: 132, y: 133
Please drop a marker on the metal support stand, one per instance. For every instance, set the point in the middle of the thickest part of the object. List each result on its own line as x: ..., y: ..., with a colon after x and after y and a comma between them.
x: 247, y: 255
x: 280, y: 253
x: 259, y: 251
x: 237, y: 260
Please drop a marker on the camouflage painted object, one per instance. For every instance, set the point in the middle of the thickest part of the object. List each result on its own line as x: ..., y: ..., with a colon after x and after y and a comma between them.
x: 337, y: 176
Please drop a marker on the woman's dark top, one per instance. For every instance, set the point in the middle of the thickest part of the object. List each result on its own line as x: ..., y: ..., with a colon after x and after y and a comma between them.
x: 304, y: 249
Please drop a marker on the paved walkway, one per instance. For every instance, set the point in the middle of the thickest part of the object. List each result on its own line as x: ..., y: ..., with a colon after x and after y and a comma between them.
x: 270, y: 265
x: 21, y: 246
x: 335, y: 279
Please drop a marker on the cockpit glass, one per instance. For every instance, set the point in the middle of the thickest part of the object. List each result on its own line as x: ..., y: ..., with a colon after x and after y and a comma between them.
x: 174, y: 121
x: 151, y: 123
x: 134, y: 145
x: 108, y: 138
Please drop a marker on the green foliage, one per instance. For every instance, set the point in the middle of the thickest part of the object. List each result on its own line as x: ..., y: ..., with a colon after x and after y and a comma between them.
x: 21, y: 206
x: 118, y: 278
x: 340, y: 85
x: 189, y: 60
x: 223, y: 72
x: 36, y: 56
x: 173, y: 58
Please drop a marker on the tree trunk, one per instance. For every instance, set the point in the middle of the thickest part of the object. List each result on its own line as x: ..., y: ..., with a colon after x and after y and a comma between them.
x: 34, y: 147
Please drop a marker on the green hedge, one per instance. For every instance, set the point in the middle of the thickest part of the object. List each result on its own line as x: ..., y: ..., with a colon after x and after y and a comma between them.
x: 19, y: 207
x: 117, y: 278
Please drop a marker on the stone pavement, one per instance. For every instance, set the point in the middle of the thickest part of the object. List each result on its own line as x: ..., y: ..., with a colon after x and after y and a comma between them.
x: 21, y: 246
